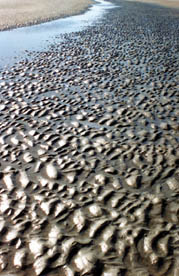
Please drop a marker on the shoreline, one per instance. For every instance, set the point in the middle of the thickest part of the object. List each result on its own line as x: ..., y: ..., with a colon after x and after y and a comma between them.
x: 89, y: 180
x: 39, y: 37
x: 13, y: 15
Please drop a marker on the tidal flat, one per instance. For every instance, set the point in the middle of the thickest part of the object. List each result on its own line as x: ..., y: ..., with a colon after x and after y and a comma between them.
x: 89, y: 167
x: 18, y: 13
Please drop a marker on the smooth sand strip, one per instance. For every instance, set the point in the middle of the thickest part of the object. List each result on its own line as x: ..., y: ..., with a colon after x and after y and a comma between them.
x: 15, y: 13
x: 166, y: 3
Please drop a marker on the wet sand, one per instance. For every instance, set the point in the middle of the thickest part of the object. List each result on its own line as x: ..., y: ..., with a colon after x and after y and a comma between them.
x: 15, y: 13
x: 89, y: 169
x: 166, y: 3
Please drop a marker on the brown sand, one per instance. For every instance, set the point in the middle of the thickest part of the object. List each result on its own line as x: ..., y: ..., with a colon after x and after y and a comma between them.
x: 14, y: 13
x: 166, y: 3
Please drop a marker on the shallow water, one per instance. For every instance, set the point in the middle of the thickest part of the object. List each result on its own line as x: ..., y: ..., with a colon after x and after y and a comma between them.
x: 15, y: 43
x: 89, y: 179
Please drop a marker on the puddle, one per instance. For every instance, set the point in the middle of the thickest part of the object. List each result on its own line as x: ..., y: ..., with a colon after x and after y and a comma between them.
x: 15, y: 43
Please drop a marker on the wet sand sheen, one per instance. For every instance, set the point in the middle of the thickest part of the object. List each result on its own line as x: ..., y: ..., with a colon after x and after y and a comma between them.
x: 89, y: 175
x: 14, y: 13
x: 15, y: 44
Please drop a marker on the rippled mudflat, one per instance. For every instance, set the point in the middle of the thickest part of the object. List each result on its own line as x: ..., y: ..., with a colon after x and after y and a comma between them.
x: 89, y: 177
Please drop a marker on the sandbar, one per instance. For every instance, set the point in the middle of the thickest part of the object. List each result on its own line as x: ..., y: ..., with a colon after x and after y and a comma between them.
x: 16, y: 13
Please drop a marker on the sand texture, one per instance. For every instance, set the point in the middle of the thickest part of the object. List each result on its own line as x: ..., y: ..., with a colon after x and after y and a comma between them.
x: 166, y: 3
x: 89, y: 153
x: 14, y: 13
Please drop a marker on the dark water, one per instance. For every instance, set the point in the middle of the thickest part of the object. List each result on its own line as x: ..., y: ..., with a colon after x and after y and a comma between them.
x: 15, y: 43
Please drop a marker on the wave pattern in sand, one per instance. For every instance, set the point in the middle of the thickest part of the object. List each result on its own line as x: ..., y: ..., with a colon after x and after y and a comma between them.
x: 89, y: 178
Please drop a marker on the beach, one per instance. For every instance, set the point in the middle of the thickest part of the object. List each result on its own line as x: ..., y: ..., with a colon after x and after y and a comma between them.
x: 89, y: 167
x: 165, y: 3
x: 16, y: 13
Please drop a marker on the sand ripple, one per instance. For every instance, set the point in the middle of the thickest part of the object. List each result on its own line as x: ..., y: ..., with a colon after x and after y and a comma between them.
x: 89, y: 179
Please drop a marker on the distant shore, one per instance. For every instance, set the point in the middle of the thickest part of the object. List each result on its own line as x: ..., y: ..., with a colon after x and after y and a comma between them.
x: 16, y: 13
x: 89, y: 179
x: 166, y: 3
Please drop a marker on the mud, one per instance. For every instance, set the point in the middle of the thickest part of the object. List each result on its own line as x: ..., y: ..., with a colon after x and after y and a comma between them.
x: 89, y: 181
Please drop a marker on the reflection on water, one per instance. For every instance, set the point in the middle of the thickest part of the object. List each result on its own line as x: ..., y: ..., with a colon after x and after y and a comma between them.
x: 14, y: 43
